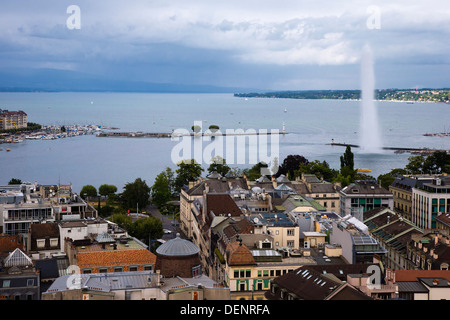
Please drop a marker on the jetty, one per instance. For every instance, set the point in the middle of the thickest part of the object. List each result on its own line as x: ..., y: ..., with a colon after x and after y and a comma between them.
x: 419, y: 151
x: 173, y: 134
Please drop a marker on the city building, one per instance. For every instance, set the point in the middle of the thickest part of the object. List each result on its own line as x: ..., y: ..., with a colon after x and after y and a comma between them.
x: 19, y: 279
x: 429, y: 251
x: 394, y: 233
x: 306, y: 283
x: 248, y: 270
x: 420, y: 284
x: 357, y: 245
x: 106, y: 254
x: 12, y: 119
x: 178, y: 258
x: 401, y: 188
x: 430, y: 200
x: 362, y: 196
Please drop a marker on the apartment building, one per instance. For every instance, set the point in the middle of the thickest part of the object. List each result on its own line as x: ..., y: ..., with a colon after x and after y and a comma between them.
x: 430, y: 200
x: 362, y: 196
x: 12, y: 119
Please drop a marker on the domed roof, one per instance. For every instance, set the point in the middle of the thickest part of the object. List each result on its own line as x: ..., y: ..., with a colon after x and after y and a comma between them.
x: 177, y: 247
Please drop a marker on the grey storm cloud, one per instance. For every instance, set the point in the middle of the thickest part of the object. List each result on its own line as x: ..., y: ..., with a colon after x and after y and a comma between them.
x: 193, y: 35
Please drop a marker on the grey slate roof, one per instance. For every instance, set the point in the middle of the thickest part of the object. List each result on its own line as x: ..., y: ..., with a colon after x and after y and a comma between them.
x: 107, y: 282
x: 177, y: 247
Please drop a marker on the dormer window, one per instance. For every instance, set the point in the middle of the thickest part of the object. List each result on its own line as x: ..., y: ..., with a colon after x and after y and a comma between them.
x: 40, y: 243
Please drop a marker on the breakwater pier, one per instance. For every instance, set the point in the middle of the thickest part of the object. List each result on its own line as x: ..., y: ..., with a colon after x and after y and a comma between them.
x: 418, y: 151
x: 175, y: 134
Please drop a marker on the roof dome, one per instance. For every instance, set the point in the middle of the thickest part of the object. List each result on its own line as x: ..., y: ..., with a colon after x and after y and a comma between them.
x: 177, y: 247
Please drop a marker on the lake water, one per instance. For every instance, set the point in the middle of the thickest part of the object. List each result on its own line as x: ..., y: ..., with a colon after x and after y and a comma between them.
x: 311, y: 125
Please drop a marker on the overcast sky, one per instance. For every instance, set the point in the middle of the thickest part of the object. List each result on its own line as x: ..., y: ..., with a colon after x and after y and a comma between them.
x: 279, y: 45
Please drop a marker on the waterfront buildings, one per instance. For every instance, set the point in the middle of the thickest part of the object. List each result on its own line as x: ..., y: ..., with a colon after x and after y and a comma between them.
x: 12, y: 119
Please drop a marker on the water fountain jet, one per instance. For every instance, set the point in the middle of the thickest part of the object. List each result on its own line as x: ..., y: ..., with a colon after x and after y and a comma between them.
x: 370, y: 139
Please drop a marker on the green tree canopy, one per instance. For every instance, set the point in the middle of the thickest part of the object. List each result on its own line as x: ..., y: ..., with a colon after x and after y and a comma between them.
x: 107, y: 189
x: 122, y: 220
x: 291, y: 164
x: 147, y: 228
x: 320, y: 169
x: 15, y: 181
x: 219, y: 165
x: 88, y: 191
x: 386, y: 179
x: 136, y: 194
x: 160, y: 190
x: 188, y: 170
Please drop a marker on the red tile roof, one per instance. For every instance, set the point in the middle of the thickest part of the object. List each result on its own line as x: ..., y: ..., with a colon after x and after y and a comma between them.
x: 115, y: 258
x: 413, y: 275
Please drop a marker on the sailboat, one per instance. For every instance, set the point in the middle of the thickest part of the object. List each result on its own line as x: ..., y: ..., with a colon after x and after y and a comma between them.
x: 285, y: 110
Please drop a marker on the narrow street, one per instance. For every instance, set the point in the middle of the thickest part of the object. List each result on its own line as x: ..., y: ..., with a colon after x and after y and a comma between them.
x: 170, y: 230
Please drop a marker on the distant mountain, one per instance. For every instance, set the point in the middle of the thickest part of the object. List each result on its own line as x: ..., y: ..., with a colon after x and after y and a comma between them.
x: 52, y: 80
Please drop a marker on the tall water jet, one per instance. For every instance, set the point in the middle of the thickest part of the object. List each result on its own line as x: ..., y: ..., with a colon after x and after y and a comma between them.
x: 370, y: 139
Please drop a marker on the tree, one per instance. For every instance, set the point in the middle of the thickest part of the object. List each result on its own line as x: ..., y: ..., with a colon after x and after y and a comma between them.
x: 386, y: 179
x: 347, y: 159
x: 147, y: 229
x: 136, y: 194
x: 88, y: 191
x: 160, y: 190
x: 255, y: 172
x: 188, y: 170
x: 122, y: 220
x: 219, y: 165
x: 347, y: 165
x: 438, y: 162
x: 320, y: 169
x: 106, y: 190
x: 290, y: 164
x: 415, y: 164
x: 14, y: 181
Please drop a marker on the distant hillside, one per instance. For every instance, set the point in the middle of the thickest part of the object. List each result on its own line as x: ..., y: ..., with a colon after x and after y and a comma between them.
x: 423, y: 95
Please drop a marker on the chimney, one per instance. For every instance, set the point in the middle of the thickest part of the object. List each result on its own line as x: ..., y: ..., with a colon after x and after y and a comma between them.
x: 206, y: 187
x: 274, y: 182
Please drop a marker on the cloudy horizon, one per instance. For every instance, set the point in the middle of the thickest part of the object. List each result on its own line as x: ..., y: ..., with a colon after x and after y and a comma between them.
x: 283, y: 45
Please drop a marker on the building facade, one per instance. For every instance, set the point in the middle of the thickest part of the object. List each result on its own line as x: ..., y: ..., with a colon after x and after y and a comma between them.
x: 362, y: 196
x: 13, y: 119
x: 429, y: 201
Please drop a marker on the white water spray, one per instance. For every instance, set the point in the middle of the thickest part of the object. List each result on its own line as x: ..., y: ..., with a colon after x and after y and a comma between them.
x: 370, y: 139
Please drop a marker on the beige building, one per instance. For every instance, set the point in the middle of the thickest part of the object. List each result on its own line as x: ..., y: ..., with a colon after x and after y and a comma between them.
x: 13, y: 119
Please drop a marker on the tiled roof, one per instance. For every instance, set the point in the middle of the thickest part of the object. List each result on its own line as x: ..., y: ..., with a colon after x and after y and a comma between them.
x: 115, y: 258
x: 222, y: 204
x: 42, y: 230
x: 9, y: 243
x: 239, y: 255
x: 413, y: 275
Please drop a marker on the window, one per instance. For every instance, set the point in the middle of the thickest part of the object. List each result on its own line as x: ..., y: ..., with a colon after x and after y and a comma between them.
x: 103, y: 270
x: 54, y: 242
x: 290, y: 232
x: 40, y: 243
x: 30, y: 282
x: 6, y: 283
x: 133, y: 268
x: 118, y: 269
